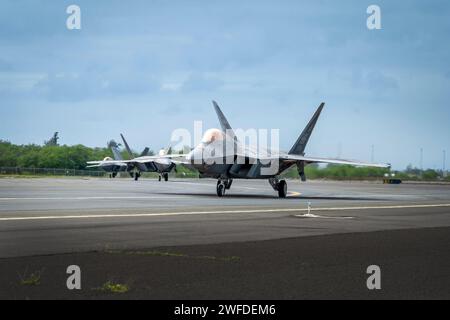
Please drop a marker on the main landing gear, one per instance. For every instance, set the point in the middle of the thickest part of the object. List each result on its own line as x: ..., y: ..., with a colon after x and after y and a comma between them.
x: 112, y: 175
x: 165, y: 175
x: 222, y: 185
x: 135, y: 175
x: 280, y: 186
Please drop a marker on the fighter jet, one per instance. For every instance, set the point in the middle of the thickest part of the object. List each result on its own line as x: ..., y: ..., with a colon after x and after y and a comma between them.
x: 214, y: 157
x: 113, y: 166
x: 161, y: 164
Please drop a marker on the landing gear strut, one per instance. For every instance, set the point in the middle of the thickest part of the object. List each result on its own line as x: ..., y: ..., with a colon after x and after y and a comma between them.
x: 165, y: 175
x: 280, y: 186
x: 222, y: 185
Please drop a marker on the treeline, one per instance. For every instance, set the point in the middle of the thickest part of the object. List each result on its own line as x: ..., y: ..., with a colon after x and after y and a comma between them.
x: 75, y: 157
x: 347, y: 172
x: 59, y: 157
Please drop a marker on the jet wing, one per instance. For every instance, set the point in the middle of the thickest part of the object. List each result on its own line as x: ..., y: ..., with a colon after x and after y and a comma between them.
x: 156, y: 158
x: 294, y: 157
x: 94, y: 162
x: 252, y: 154
x: 139, y: 160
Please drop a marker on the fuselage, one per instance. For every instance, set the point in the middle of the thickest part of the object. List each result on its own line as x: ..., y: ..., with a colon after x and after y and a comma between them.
x: 148, y: 164
x: 219, y: 156
x: 112, y: 167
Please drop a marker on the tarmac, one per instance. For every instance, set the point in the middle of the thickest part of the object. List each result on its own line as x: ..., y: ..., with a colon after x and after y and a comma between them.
x: 178, y: 240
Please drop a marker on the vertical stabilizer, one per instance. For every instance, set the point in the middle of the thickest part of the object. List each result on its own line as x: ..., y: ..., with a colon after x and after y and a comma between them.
x: 300, y: 145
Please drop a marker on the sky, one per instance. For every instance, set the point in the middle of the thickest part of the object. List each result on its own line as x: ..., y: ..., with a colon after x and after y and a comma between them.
x: 145, y: 68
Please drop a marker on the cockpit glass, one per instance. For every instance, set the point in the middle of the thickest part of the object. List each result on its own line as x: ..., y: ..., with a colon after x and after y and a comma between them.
x: 212, y: 135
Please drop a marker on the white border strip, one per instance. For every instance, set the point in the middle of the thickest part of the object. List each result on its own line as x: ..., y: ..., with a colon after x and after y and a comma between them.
x: 96, y: 216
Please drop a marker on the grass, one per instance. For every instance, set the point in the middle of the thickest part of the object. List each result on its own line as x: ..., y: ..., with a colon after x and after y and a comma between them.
x: 33, y: 279
x: 157, y: 253
x: 111, y: 287
x: 228, y: 259
x: 149, y: 253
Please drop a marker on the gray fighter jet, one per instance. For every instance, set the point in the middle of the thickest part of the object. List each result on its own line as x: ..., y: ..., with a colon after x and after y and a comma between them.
x: 222, y: 156
x: 112, y: 166
x: 162, y: 164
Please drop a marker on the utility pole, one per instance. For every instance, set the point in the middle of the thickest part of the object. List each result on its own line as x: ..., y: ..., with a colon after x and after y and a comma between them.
x: 444, y: 174
x: 421, y: 158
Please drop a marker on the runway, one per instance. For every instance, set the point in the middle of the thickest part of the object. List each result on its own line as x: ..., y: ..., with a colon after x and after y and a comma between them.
x: 49, y: 217
x: 91, y: 214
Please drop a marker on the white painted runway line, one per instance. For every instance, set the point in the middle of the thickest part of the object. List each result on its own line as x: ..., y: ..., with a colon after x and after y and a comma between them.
x: 93, y: 198
x: 180, y: 213
x: 311, y: 215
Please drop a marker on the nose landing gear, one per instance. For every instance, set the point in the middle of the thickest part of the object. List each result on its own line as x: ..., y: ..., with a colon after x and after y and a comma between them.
x: 280, y: 186
x: 165, y: 175
x: 222, y: 185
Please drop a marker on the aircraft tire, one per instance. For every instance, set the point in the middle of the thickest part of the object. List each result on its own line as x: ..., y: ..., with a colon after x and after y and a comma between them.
x: 220, y: 189
x: 282, y: 189
x: 166, y: 177
x: 159, y: 178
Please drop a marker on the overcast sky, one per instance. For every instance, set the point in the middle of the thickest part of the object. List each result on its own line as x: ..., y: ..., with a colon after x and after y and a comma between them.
x: 145, y: 68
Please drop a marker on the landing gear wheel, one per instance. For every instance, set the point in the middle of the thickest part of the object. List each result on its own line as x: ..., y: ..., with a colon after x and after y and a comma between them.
x: 166, y: 177
x: 136, y: 176
x: 114, y: 174
x: 220, y: 188
x: 159, y: 178
x: 228, y: 184
x: 282, y: 189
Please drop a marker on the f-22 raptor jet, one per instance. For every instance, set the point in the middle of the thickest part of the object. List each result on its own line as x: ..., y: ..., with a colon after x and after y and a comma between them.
x: 135, y: 166
x: 240, y: 161
x: 112, y: 166
x: 160, y: 164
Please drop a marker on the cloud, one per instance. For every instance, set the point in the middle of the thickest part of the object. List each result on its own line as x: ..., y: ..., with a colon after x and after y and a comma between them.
x: 202, y: 82
x: 171, y: 58
x: 378, y: 81
x: 374, y: 81
x: 88, y: 85
x: 5, y: 66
